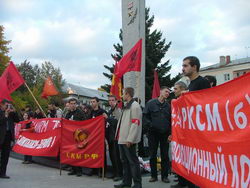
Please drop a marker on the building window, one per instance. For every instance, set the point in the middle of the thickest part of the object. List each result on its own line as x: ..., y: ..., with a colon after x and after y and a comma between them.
x: 238, y: 74
x: 226, y: 77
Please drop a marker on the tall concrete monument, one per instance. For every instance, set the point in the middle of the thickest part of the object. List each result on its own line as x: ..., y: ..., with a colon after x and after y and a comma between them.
x: 133, y: 26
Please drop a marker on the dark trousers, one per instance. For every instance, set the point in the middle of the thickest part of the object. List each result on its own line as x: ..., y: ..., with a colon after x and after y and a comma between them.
x: 141, y: 151
x: 114, y: 154
x: 131, y: 165
x: 5, y: 152
x: 184, y: 182
x: 77, y: 169
x: 154, y: 139
x: 27, y: 158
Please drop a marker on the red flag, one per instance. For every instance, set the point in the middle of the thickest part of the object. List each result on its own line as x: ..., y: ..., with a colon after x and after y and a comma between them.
x: 131, y: 61
x: 116, y: 87
x: 49, y: 88
x: 4, y: 93
x: 10, y: 80
x: 83, y: 142
x: 156, y: 87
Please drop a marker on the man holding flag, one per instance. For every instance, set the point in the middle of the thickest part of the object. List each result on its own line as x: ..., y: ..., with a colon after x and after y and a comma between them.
x: 77, y: 115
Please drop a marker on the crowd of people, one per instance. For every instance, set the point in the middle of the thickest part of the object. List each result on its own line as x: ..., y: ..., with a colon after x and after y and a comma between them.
x: 124, y: 129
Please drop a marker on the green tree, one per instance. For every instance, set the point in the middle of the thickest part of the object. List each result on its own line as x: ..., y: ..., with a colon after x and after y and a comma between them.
x: 156, y: 48
x: 4, y: 50
x: 28, y: 73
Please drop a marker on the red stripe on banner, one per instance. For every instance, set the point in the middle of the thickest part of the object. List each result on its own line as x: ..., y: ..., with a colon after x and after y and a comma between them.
x: 38, y: 144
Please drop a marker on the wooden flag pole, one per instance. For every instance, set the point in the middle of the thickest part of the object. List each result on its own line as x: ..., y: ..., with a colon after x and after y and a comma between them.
x: 35, y: 99
x: 60, y: 150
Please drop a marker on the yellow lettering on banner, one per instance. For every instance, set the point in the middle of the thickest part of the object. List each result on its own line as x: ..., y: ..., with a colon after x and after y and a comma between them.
x: 67, y: 154
x: 86, y: 156
x: 78, y: 156
x: 72, y: 156
x: 94, y: 156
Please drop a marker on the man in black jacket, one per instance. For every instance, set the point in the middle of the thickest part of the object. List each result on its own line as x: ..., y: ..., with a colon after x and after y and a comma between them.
x: 114, y: 153
x: 75, y: 114
x: 98, y: 111
x: 157, y: 116
x: 8, y: 117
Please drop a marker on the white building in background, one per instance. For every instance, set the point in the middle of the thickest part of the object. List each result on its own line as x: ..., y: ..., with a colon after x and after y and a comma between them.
x: 84, y: 94
x: 226, y: 69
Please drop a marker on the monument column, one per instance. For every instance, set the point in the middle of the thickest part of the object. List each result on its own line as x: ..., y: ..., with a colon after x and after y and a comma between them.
x: 133, y: 27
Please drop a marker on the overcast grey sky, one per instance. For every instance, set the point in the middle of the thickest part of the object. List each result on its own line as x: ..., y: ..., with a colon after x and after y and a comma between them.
x: 78, y: 35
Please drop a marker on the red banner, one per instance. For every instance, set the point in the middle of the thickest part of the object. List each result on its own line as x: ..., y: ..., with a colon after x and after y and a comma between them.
x: 83, y: 143
x: 39, y: 125
x: 38, y: 144
x: 211, y: 135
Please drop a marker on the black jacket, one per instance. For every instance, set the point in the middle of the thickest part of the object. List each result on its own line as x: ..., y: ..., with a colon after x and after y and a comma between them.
x: 100, y: 111
x: 11, y: 120
x: 76, y: 115
x: 157, y: 116
x: 112, y: 125
x: 198, y: 84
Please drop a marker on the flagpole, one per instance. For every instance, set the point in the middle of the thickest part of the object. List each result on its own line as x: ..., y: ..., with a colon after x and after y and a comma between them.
x: 139, y: 92
x: 60, y: 150
x: 103, y: 174
x: 35, y: 99
x: 60, y: 168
